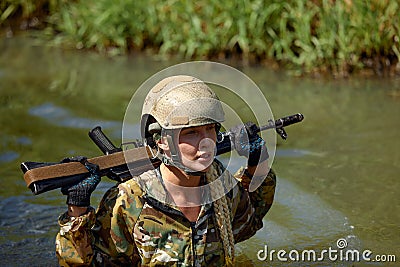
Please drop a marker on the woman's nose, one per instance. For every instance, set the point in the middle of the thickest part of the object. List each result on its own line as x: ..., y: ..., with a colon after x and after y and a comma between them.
x: 206, y: 144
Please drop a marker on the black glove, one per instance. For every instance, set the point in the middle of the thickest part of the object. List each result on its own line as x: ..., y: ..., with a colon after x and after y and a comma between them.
x: 248, y: 143
x: 79, y: 194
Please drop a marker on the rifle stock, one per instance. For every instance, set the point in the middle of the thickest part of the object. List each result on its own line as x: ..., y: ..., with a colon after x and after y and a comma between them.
x: 41, y: 177
x: 116, y: 164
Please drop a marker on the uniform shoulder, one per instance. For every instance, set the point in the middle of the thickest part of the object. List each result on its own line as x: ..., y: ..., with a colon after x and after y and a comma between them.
x: 131, y: 187
x: 128, y: 190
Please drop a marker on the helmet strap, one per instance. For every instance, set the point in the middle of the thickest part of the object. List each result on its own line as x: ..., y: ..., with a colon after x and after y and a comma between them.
x: 168, y: 161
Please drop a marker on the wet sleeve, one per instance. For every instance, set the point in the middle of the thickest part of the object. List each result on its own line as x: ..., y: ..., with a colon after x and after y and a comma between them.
x: 74, y: 240
x: 103, y: 238
x: 249, y: 209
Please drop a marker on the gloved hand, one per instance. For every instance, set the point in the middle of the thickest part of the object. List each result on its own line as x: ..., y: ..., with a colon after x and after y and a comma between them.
x: 248, y: 143
x: 79, y: 194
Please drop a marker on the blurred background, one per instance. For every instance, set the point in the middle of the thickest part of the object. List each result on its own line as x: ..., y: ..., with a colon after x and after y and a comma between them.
x: 68, y: 66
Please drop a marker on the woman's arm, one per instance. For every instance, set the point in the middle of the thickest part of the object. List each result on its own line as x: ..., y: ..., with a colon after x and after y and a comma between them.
x: 74, y: 240
x: 248, y: 208
x: 103, y: 237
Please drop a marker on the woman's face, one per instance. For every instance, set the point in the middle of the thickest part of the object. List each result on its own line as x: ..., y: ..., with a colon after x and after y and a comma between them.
x: 197, y: 146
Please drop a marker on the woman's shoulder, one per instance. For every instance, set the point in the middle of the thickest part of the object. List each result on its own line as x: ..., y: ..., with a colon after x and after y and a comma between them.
x: 129, y: 191
x: 131, y: 187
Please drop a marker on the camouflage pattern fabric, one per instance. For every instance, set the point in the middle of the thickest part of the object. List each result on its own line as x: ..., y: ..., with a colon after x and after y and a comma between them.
x: 131, y: 228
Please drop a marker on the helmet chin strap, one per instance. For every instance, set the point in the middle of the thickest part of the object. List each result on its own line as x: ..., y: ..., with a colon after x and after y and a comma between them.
x: 176, y: 160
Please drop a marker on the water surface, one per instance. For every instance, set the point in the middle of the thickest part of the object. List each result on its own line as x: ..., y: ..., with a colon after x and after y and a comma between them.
x: 338, y: 172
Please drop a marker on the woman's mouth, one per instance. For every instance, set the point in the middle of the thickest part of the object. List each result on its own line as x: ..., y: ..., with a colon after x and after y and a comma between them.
x: 204, y: 157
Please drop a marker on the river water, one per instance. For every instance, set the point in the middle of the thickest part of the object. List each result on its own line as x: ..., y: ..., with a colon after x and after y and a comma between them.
x: 338, y: 172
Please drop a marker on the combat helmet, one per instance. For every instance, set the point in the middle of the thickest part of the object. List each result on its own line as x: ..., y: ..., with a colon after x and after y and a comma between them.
x: 178, y: 102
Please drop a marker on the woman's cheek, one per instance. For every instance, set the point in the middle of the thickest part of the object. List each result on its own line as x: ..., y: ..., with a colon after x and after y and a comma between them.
x: 188, y: 151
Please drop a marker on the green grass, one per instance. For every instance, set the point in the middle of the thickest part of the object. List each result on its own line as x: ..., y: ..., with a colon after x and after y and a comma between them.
x: 338, y: 37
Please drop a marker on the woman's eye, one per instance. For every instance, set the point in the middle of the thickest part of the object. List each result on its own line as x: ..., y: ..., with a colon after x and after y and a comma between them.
x: 189, y: 132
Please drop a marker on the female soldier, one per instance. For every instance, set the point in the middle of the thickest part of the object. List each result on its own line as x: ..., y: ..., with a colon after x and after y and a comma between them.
x: 188, y: 212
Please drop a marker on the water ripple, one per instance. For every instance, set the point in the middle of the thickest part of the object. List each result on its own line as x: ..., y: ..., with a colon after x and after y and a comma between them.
x: 294, y: 153
x: 8, y: 156
x: 23, y: 140
x: 27, y: 232
x: 62, y: 117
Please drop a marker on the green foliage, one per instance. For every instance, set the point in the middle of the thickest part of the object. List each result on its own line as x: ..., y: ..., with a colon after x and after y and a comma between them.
x: 304, y: 35
x: 25, y: 8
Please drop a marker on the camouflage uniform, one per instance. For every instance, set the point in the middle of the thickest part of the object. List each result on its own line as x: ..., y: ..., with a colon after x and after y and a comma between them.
x: 134, y: 229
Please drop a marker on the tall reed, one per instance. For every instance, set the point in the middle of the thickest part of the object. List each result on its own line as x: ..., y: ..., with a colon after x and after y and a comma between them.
x: 320, y: 35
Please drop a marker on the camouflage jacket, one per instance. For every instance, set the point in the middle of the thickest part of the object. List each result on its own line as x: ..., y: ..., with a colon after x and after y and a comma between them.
x: 131, y: 228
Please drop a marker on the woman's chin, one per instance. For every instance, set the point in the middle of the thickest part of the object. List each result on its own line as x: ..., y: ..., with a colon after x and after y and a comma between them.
x: 200, y: 164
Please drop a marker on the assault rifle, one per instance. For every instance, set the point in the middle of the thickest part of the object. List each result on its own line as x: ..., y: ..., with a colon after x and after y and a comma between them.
x: 117, y: 164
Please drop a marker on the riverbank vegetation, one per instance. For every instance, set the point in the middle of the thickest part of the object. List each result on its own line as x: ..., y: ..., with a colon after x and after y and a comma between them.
x: 320, y: 36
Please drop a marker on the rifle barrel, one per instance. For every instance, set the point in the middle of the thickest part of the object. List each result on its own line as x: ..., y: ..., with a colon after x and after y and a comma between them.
x: 283, y: 122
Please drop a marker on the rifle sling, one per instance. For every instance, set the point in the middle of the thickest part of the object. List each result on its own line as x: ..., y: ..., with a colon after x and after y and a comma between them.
x: 137, y: 157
